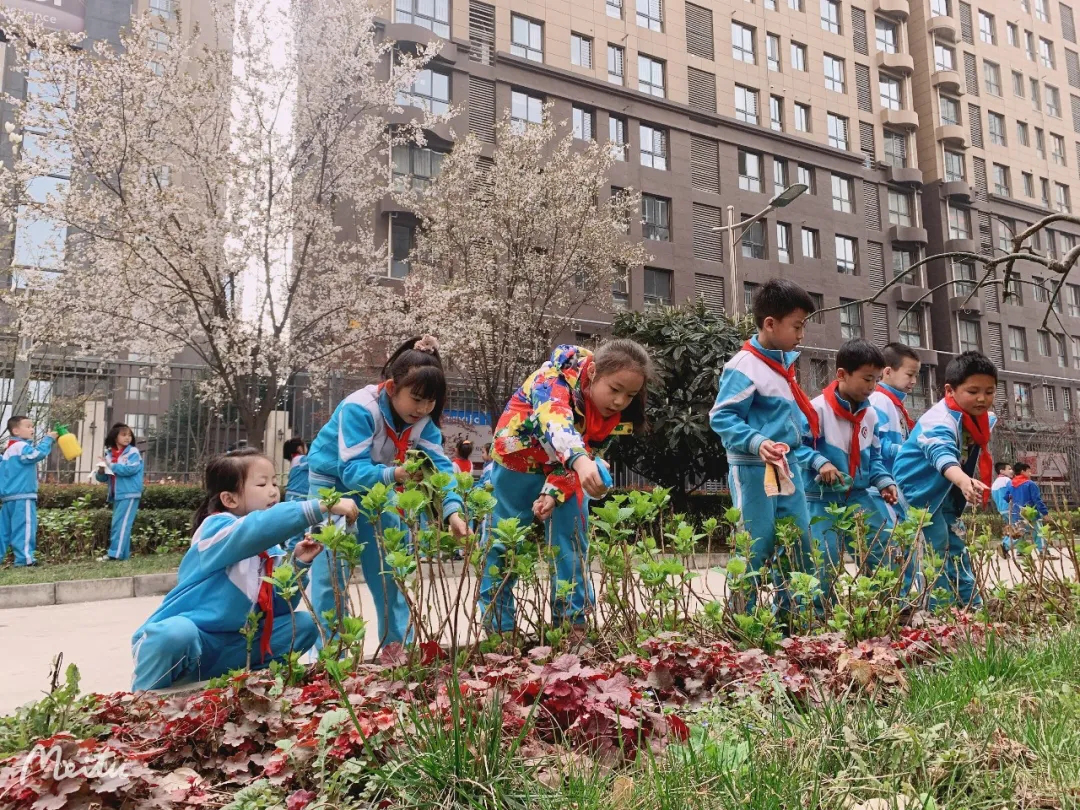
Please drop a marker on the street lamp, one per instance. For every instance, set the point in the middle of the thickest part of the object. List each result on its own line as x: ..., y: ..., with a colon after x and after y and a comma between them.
x: 784, y: 198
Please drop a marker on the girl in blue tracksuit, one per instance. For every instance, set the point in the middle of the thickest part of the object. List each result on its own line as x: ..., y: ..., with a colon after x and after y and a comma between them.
x: 364, y: 444
x: 194, y: 634
x: 1023, y: 492
x: 296, y: 489
x: 125, y: 487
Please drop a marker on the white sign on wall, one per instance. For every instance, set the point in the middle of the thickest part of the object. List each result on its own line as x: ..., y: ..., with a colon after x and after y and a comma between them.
x: 59, y: 15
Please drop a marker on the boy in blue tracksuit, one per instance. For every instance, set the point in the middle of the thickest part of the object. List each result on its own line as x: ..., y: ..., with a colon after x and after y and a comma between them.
x: 945, y: 464
x: 757, y: 416
x: 1024, y: 492
x: 19, y: 487
x: 296, y: 488
x: 999, y: 494
x: 849, y: 440
x: 898, y: 380
x: 122, y: 470
x: 364, y: 444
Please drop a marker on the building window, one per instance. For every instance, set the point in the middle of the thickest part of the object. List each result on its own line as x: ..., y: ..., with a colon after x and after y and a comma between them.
x: 776, y: 113
x: 954, y: 166
x: 525, y: 109
x: 811, y: 244
x: 1022, y: 133
x: 1044, y: 343
x: 1057, y: 149
x: 655, y: 218
x: 944, y: 57
x: 650, y: 75
x: 434, y: 16
x: 1063, y: 204
x: 889, y: 92
x: 845, y: 255
x: 940, y: 8
x: 842, y: 193
x: 580, y: 51
x: 1029, y: 184
x: 749, y: 291
x: 657, y: 287
x: 779, y: 174
x: 746, y: 104
x: 1041, y: 11
x: 996, y: 124
x: 964, y: 278
x: 795, y: 5
x: 802, y: 117
x: 896, y: 149
x: 1013, y: 34
x: 1044, y: 184
x: 838, y: 131
x: 753, y: 240
x: 653, y: 147
x: 616, y: 61
x: 1046, y: 52
x: 902, y: 260
x: 620, y: 289
x: 830, y: 15
x: 1036, y: 96
x: 415, y: 166
x: 742, y: 43
x: 968, y: 336
x: 614, y: 9
x: 1048, y: 395
x: 1024, y: 406
x: 819, y: 304
x: 959, y: 223
x: 798, y: 56
x: 1013, y: 292
x: 772, y: 52
x: 430, y: 91
x: 749, y: 171
x: 834, y: 73
x: 401, y: 245
x: 992, y: 78
x: 1059, y: 344
x: 850, y: 320
x: 986, y: 28
x: 1076, y: 352
x: 527, y: 38
x: 783, y: 243
x: 584, y: 130
x: 1053, y: 102
x: 950, y: 110
x: 1018, y: 83
x: 1029, y: 45
x: 1001, y: 180
x: 1074, y: 302
x: 888, y: 35
x: 650, y: 14
x: 805, y: 174
x: 164, y: 10
x: 911, y: 328
x: 1018, y: 344
x: 617, y: 137
x: 900, y: 208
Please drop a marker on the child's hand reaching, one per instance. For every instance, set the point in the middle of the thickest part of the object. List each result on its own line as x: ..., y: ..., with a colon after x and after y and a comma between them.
x: 891, y: 495
x: 543, y: 507
x: 307, y: 549
x: 829, y: 474
x: 589, y: 476
x: 770, y: 452
x: 52, y: 434
x: 347, y: 509
x: 458, y: 527
x: 401, y: 475
x: 972, y: 489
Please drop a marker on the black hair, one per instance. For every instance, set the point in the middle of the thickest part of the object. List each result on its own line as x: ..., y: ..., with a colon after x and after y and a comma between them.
x: 420, y: 370
x: 618, y: 354
x: 464, y: 448
x: 112, y: 440
x: 967, y: 365
x: 1020, y: 467
x: 896, y: 353
x: 292, y: 447
x: 226, y: 472
x: 14, y: 421
x: 1001, y: 465
x: 487, y: 448
x: 856, y: 353
x: 778, y: 298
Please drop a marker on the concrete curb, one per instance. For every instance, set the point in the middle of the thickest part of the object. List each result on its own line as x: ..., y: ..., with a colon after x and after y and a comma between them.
x: 98, y: 590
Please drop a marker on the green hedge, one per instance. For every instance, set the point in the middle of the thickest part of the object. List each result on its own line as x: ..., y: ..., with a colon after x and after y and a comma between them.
x: 67, y: 534
x: 155, y: 496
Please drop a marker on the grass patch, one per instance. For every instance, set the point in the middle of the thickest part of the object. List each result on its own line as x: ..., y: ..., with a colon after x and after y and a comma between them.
x: 90, y: 569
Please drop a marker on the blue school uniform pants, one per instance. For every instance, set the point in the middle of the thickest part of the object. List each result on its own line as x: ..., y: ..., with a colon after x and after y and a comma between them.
x: 175, y: 651
x: 18, y: 527
x: 758, y: 516
x: 1032, y: 534
x: 567, y: 530
x: 956, y: 577
x: 123, y: 518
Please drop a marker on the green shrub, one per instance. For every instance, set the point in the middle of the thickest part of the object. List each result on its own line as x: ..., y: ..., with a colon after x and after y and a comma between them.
x: 67, y: 534
x: 155, y: 496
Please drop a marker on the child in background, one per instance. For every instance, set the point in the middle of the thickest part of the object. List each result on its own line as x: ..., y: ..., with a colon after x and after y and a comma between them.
x: 563, y: 416
x: 489, y: 464
x: 195, y: 633
x: 757, y: 415
x: 294, y: 451
x: 364, y: 444
x: 945, y: 464
x: 19, y: 487
x: 463, y: 456
x: 1025, y: 492
x: 122, y: 470
x: 849, y: 440
x: 999, y: 494
x: 901, y: 373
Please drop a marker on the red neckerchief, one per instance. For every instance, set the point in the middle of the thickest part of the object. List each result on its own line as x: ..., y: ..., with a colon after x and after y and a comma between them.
x: 401, y: 442
x: 979, y: 431
x: 801, y: 399
x: 1020, y: 479
x: 855, y: 419
x: 11, y: 442
x: 266, y: 604
x: 116, y: 452
x: 899, y: 405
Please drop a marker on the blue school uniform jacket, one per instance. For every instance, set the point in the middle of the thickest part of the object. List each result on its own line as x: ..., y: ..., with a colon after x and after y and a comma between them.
x: 937, y: 443
x: 892, y: 429
x: 834, y: 444
x: 353, y: 451
x: 126, y: 482
x: 297, y: 486
x: 18, y: 473
x: 755, y: 404
x: 1026, y: 494
x: 219, y: 578
x: 999, y: 493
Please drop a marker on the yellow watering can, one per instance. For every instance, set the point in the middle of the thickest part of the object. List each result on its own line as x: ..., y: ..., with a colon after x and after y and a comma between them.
x: 68, y: 444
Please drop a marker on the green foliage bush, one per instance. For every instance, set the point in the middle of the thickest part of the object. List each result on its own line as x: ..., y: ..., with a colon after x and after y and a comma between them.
x: 155, y: 496
x: 81, y: 531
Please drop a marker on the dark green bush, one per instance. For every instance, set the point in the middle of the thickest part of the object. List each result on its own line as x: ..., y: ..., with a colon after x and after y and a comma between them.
x: 68, y: 534
x: 155, y: 496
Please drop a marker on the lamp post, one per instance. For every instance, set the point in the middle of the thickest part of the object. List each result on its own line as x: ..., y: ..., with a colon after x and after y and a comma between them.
x: 784, y: 198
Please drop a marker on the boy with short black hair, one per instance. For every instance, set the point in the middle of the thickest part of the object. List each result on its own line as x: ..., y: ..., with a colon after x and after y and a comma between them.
x: 19, y: 488
x: 945, y: 464
x: 898, y: 379
x: 849, y: 440
x: 757, y: 415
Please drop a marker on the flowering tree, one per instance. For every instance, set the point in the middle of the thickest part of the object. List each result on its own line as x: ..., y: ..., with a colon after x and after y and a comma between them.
x: 507, y: 257
x: 207, y: 178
